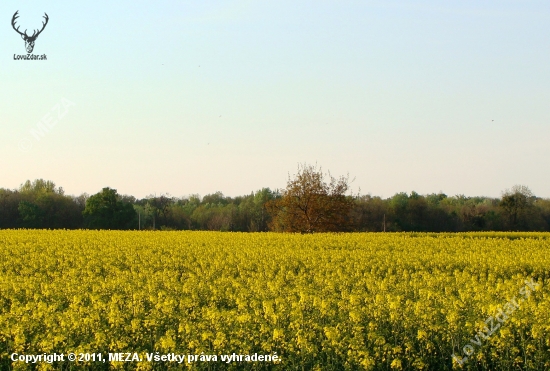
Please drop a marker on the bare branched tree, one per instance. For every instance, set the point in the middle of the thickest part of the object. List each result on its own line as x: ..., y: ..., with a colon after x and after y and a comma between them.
x: 311, y: 204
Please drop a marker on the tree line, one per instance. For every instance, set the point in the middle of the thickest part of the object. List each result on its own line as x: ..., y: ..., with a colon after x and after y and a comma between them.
x: 312, y: 202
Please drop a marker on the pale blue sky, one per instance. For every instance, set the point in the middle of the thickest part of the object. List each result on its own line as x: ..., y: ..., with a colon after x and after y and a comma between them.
x: 188, y: 97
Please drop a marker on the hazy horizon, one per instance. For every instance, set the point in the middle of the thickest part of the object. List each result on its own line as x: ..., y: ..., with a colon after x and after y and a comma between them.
x: 184, y: 97
x: 353, y: 191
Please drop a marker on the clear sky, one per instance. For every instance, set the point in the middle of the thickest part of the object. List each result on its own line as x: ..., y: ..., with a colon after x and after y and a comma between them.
x: 186, y: 97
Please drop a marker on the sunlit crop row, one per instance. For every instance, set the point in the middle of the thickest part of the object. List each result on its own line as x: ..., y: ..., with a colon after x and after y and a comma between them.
x: 321, y: 301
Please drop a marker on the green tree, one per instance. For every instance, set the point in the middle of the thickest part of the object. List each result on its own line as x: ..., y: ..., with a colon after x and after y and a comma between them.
x: 369, y: 214
x: 31, y: 215
x: 46, y: 206
x: 105, y: 210
x: 40, y: 186
x: 159, y: 208
x: 543, y: 208
x: 517, y: 204
x: 260, y: 217
x: 9, y: 208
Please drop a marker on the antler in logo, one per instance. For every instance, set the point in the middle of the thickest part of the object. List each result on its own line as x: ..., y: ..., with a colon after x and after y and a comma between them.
x: 29, y: 40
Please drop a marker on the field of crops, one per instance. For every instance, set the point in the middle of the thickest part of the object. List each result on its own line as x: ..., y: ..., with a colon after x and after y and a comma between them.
x: 320, y: 302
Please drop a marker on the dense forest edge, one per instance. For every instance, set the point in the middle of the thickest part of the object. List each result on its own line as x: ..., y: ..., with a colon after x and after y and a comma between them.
x: 312, y: 202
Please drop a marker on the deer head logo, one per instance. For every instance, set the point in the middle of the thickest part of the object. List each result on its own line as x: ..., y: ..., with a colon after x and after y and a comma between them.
x: 29, y: 40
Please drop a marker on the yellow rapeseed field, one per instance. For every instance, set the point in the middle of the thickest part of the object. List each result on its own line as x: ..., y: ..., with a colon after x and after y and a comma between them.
x: 319, y: 302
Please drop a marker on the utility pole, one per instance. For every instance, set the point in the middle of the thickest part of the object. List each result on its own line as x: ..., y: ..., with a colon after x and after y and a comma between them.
x: 384, y: 222
x: 139, y: 222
